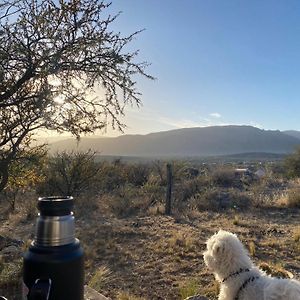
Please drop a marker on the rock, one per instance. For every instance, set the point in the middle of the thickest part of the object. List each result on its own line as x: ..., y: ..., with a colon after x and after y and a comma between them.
x: 3, y: 242
x: 91, y: 294
x: 10, y: 248
x: 7, y: 241
x: 11, y: 251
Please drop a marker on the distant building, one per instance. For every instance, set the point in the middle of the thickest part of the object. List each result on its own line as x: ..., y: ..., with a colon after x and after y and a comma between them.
x: 241, y: 172
x: 260, y: 173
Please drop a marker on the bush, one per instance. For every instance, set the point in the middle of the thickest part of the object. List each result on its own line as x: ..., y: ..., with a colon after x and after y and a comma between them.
x: 111, y: 176
x: 189, y: 188
x: 292, y: 164
x: 24, y: 175
x: 293, y: 198
x: 220, y: 200
x: 265, y: 191
x: 224, y: 177
x: 127, y: 201
x: 153, y: 191
x: 10, y: 274
x: 69, y: 173
x: 138, y: 174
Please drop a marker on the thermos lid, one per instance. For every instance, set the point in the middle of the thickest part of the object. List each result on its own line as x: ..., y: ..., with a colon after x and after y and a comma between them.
x: 55, y: 205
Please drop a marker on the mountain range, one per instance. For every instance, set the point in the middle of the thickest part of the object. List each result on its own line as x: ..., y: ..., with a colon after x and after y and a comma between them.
x: 189, y: 142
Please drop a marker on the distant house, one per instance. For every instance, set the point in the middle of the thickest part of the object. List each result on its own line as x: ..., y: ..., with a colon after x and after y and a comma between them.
x: 260, y: 173
x: 242, y: 172
x: 250, y: 174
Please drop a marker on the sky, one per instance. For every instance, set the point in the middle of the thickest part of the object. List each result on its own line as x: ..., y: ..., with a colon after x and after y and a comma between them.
x: 216, y: 62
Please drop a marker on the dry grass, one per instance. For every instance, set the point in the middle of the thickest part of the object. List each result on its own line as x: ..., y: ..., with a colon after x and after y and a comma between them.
x: 158, y: 257
x: 236, y: 220
x: 150, y: 256
x: 252, y: 248
x: 127, y: 296
x: 275, y: 270
x: 272, y: 242
x: 296, y: 234
x: 10, y: 274
x: 100, y: 278
x: 293, y: 199
x: 156, y: 210
x: 211, y: 290
x: 291, y: 196
x: 188, y: 288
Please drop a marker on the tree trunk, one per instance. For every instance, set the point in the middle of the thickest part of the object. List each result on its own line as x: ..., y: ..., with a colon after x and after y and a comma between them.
x: 3, y: 176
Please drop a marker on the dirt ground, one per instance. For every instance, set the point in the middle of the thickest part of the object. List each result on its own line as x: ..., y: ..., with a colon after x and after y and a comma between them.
x: 160, y: 257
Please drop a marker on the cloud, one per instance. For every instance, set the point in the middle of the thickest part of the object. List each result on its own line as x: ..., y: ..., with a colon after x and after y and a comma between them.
x: 146, y: 114
x: 215, y: 115
x: 184, y: 123
x: 146, y: 120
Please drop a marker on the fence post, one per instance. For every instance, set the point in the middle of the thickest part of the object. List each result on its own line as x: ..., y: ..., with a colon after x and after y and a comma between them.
x: 169, y: 190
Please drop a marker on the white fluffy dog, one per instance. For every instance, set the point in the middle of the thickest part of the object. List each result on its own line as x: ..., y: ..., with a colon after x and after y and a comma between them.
x: 227, y: 258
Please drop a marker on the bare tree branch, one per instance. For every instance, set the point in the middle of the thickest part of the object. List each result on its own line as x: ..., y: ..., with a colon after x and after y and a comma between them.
x: 62, y: 68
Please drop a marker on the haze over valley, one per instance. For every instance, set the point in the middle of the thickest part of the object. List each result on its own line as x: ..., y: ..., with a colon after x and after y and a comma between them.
x: 193, y: 142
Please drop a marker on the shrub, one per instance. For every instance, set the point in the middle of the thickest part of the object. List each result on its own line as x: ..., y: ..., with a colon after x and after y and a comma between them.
x: 219, y: 200
x: 24, y: 175
x: 138, y: 174
x: 186, y: 190
x: 292, y: 164
x: 154, y: 192
x: 28, y: 206
x: 69, y: 173
x: 10, y: 274
x: 86, y: 204
x: 111, y: 176
x: 224, y: 177
x: 189, y: 188
x: 159, y: 170
x: 128, y: 201
x: 266, y: 191
x: 293, y: 197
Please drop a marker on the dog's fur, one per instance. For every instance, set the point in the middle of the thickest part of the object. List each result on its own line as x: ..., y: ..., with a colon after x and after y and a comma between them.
x: 226, y: 255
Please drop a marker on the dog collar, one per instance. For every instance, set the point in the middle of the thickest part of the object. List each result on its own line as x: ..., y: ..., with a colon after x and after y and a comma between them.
x: 251, y: 279
x: 235, y: 274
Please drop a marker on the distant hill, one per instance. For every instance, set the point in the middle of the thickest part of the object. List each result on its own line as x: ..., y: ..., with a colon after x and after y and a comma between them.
x: 293, y: 133
x: 188, y: 142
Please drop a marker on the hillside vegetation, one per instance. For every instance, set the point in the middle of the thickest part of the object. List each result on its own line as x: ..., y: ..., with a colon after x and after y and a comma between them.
x: 193, y: 142
x: 134, y: 251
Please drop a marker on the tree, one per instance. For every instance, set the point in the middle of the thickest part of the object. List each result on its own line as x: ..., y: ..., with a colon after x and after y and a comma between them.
x: 63, y: 69
x: 25, y: 173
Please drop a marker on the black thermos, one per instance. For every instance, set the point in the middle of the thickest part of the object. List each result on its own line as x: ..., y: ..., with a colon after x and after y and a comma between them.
x: 53, y: 267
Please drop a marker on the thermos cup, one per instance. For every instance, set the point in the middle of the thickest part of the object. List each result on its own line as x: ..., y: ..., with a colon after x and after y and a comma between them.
x: 53, y: 267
